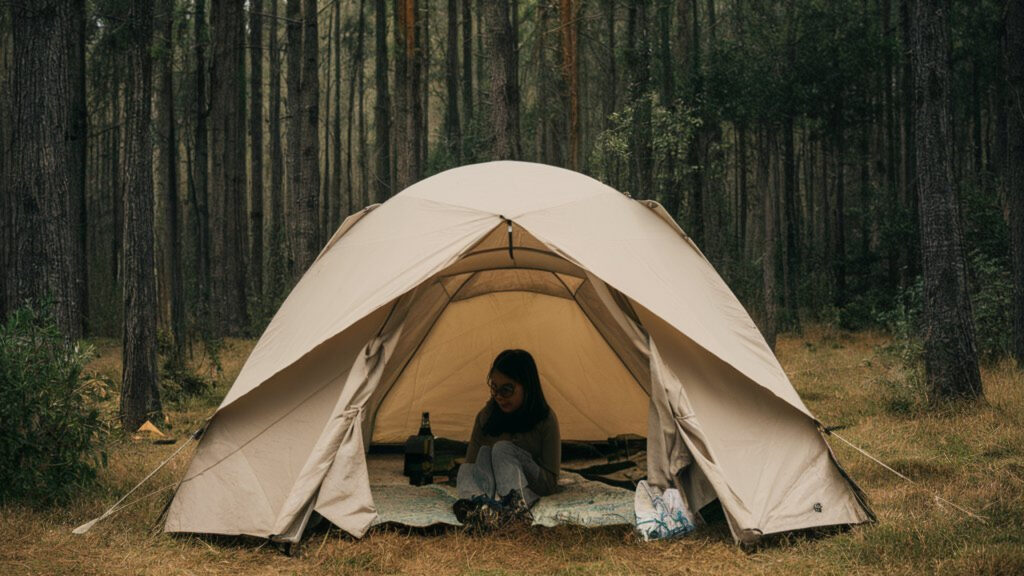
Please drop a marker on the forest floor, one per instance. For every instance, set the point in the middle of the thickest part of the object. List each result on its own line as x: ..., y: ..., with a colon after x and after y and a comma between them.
x: 973, y: 456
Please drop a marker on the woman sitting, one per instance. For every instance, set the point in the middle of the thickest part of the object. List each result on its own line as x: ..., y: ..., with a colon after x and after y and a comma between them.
x: 515, y: 450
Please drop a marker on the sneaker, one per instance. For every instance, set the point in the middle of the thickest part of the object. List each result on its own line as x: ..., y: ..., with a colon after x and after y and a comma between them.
x: 478, y: 514
x: 465, y: 510
x: 489, y: 515
x: 515, y: 510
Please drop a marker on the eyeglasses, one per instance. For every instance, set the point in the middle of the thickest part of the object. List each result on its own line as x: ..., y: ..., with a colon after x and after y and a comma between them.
x: 503, y: 391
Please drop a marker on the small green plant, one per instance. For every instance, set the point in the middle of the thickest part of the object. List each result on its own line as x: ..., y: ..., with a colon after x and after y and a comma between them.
x: 52, y: 435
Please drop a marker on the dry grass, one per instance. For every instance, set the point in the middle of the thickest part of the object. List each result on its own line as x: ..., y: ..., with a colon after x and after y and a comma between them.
x: 973, y: 456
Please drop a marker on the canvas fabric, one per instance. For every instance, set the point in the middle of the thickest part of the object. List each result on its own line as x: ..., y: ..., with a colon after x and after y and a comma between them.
x: 402, y: 312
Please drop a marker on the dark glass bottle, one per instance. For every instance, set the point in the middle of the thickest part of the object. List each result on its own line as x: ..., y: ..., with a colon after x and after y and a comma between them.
x: 419, y: 454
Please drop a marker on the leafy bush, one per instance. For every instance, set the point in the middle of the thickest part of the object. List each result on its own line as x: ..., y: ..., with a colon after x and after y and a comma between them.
x: 991, y: 302
x: 51, y: 433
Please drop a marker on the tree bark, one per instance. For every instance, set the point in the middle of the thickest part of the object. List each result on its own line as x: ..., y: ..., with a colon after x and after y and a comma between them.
x: 140, y: 398
x: 1014, y: 170
x: 170, y: 288
x: 201, y: 168
x: 256, y: 264
x: 77, y: 140
x: 768, y: 219
x: 570, y: 79
x: 500, y: 46
x: 951, y: 358
x: 408, y: 100
x: 639, y: 63
x: 228, y: 221
x: 382, y: 109
x: 364, y: 171
x: 452, y: 126
x: 609, y: 101
x: 467, y: 74
x: 44, y: 161
x: 335, y: 192
x: 305, y: 200
x: 277, y: 271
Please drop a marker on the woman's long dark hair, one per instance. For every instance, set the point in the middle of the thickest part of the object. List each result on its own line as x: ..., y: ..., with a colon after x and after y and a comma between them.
x: 519, y: 366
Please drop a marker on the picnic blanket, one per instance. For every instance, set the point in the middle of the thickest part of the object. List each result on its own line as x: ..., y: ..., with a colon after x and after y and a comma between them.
x: 578, y: 501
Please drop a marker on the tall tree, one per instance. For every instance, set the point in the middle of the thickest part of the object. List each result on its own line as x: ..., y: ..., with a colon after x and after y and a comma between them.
x: 306, y: 202
x: 467, y: 73
x: 382, y: 108
x: 6, y: 210
x: 769, y: 215
x: 140, y: 397
x: 951, y: 358
x: 504, y: 82
x: 452, y: 126
x: 276, y: 236
x: 77, y: 142
x: 43, y: 182
x: 570, y: 77
x: 201, y: 168
x: 408, y: 100
x: 334, y: 190
x: 227, y: 169
x: 256, y: 153
x: 170, y: 281
x: 1014, y: 62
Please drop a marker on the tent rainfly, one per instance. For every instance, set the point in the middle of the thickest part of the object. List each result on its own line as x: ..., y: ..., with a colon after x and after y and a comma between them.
x: 410, y: 300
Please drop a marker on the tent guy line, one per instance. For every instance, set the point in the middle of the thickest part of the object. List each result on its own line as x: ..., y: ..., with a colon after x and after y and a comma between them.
x: 113, y: 509
x: 939, y: 499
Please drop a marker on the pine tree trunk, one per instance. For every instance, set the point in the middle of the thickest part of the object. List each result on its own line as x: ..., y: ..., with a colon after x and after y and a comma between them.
x: 608, y: 102
x: 1014, y: 48
x: 791, y: 265
x: 227, y: 171
x: 908, y: 184
x: 276, y: 242
x: 140, y: 398
x: 201, y: 167
x: 305, y: 200
x: 383, y: 185
x: 408, y: 100
x: 256, y: 147
x: 951, y: 358
x: 467, y: 75
x: 42, y: 162
x: 364, y: 169
x: 768, y: 258
x: 170, y: 288
x: 570, y: 78
x: 335, y: 191
x: 639, y: 64
x: 452, y: 126
x: 839, y: 214
x: 77, y: 138
x: 500, y: 46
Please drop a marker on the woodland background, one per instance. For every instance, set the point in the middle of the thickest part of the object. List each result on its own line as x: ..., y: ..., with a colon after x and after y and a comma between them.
x: 170, y: 168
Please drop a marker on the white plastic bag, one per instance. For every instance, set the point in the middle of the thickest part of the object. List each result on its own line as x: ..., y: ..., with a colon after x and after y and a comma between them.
x: 661, y: 515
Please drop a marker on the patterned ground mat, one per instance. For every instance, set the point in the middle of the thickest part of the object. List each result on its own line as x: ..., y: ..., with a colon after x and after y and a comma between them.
x: 578, y: 501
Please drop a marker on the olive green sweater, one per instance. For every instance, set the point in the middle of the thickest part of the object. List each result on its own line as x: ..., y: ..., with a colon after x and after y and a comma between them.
x: 543, y: 442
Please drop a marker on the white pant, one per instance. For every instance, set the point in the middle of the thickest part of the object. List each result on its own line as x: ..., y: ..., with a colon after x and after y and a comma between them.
x: 498, y: 470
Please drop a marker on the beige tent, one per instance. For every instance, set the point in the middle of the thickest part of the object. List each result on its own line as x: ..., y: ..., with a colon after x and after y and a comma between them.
x: 403, y: 310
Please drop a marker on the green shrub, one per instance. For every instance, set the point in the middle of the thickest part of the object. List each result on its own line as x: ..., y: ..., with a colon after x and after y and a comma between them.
x: 991, y: 301
x: 51, y: 432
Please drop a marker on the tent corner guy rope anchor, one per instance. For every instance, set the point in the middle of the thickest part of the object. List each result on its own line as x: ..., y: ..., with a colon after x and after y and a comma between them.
x: 195, y: 436
x: 939, y: 500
